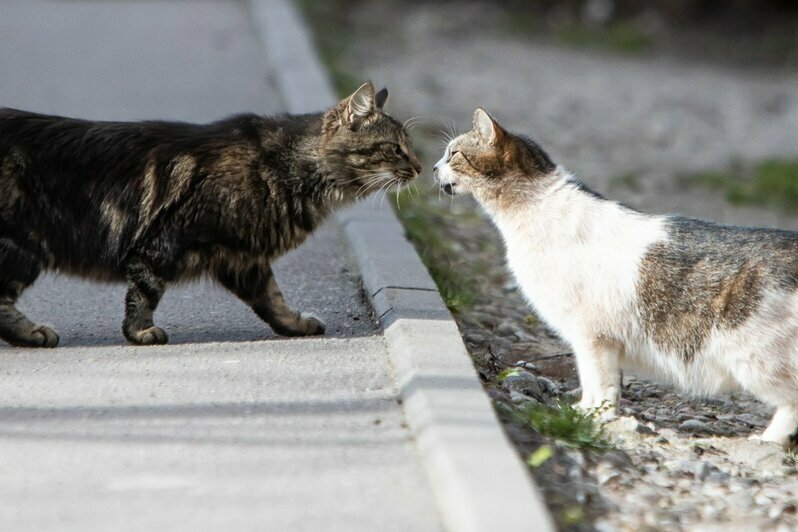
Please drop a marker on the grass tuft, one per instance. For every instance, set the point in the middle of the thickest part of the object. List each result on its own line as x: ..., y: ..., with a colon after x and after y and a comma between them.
x: 332, y: 41
x: 628, y: 181
x: 774, y: 183
x: 621, y: 37
x: 418, y: 218
x: 564, y: 423
x: 770, y: 183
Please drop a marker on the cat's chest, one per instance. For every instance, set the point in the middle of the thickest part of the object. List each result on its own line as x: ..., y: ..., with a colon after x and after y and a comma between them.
x: 547, y: 277
x: 575, y: 286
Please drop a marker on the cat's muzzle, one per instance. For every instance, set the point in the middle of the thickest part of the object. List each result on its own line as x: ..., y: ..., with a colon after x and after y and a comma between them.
x: 448, y: 188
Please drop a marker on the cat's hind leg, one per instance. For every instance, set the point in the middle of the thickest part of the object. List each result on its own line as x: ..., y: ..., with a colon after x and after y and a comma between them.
x: 256, y: 286
x: 18, y: 270
x: 145, y: 289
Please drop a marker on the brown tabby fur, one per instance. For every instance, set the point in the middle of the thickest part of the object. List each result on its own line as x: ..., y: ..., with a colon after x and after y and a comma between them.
x: 152, y: 203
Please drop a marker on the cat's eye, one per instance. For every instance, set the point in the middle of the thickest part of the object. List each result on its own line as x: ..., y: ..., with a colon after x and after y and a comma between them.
x: 452, y: 154
x: 394, y: 149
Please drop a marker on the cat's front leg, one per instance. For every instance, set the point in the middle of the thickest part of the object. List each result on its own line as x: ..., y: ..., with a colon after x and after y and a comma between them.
x: 145, y: 289
x: 783, y: 428
x: 256, y: 286
x: 597, y: 362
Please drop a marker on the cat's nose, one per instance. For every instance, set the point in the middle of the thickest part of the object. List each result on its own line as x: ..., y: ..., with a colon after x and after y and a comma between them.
x: 416, y: 166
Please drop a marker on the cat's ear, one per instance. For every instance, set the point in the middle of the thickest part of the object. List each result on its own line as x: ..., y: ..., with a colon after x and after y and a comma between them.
x: 360, y: 104
x: 381, y: 98
x: 487, y: 127
x: 351, y: 109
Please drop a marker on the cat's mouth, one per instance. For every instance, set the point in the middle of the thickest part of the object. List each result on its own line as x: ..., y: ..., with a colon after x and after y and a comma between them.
x: 449, y: 188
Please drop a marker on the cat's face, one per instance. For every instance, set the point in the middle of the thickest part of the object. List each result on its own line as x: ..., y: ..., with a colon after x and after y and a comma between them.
x: 371, y: 149
x: 490, y: 162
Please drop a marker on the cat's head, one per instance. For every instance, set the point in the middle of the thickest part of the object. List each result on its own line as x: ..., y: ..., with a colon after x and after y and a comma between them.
x: 491, y: 163
x: 366, y: 147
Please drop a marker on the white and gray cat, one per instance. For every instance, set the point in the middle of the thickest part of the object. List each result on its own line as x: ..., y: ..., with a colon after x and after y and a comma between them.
x: 707, y: 307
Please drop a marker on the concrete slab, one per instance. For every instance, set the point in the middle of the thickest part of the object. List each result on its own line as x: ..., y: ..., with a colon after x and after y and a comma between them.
x: 216, y: 431
x: 302, y: 435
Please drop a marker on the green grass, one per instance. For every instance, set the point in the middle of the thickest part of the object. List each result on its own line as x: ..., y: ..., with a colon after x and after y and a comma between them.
x: 628, y: 181
x: 564, y: 423
x: 436, y: 254
x: 770, y: 183
x: 332, y: 40
x: 621, y: 37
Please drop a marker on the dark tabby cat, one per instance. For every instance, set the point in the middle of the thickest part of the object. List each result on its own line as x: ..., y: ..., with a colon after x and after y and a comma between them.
x: 157, y: 202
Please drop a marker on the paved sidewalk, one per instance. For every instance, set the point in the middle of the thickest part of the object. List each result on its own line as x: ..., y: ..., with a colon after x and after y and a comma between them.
x: 219, y: 430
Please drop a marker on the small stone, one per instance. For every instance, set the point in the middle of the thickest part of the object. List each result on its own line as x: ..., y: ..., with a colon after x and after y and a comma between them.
x: 618, y: 458
x: 604, y: 525
x: 549, y: 386
x: 703, y: 470
x: 622, y: 425
x: 642, y: 428
x: 529, y: 366
x: 775, y: 512
x: 718, y: 477
x: 474, y: 338
x: 605, y: 472
x: 500, y: 346
x: 761, y: 500
x: 505, y: 328
x: 573, y: 395
x: 741, y: 500
x: 524, y: 382
x: 695, y: 426
x: 710, y: 513
x: 519, y: 398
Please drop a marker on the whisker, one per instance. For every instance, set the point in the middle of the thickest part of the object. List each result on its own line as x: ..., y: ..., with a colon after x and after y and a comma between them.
x: 443, y: 136
x: 411, y: 122
x: 385, y: 193
x: 452, y: 129
x: 371, y: 184
x: 379, y: 182
x: 396, y: 197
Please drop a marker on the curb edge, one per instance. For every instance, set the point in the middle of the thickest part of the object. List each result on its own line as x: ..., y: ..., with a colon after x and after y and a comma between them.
x: 479, y: 481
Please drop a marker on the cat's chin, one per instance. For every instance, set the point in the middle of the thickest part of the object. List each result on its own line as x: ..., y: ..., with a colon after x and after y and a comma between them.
x: 450, y: 189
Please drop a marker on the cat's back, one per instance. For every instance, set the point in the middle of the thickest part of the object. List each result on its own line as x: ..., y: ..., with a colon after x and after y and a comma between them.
x: 714, y: 251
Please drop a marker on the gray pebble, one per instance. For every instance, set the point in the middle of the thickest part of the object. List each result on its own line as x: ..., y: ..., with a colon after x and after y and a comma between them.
x: 703, y: 470
x: 696, y: 427
x: 549, y: 386
x: 519, y: 398
x: 718, y: 477
x: 741, y: 500
x: 525, y: 383
x: 529, y: 366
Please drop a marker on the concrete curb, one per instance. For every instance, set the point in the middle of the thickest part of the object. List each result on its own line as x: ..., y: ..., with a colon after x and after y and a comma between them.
x: 480, y: 483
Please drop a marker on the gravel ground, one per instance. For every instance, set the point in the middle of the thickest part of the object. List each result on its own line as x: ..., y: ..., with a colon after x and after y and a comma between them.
x: 677, y: 462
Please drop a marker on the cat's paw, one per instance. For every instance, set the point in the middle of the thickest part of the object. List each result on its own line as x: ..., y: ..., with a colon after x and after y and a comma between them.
x: 604, y: 411
x: 39, y: 336
x: 149, y: 336
x: 303, y: 325
x: 42, y: 336
x: 311, y: 325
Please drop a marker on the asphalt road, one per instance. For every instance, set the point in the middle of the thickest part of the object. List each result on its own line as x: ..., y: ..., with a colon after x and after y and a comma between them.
x: 228, y: 427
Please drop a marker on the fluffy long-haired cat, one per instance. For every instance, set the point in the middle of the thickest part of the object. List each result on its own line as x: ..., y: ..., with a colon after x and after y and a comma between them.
x: 707, y: 307
x: 158, y: 202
